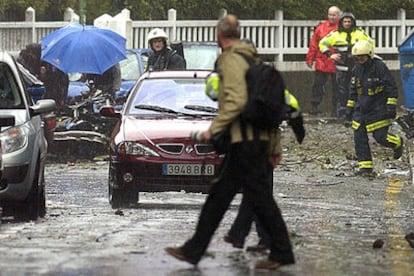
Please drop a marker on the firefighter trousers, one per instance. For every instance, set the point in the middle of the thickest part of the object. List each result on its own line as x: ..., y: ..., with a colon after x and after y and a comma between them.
x: 362, y: 148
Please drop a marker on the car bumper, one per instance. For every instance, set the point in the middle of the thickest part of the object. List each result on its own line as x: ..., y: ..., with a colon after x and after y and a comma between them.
x: 149, y: 177
x: 15, y: 183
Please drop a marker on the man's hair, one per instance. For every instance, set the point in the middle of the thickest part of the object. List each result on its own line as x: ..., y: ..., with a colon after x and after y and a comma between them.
x: 335, y: 9
x: 229, y: 26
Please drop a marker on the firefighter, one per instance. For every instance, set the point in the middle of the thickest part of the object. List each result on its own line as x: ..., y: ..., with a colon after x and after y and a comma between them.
x: 371, y: 105
x: 163, y: 57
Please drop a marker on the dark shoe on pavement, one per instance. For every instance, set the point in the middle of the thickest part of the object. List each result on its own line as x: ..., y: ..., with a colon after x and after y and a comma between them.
x: 399, y: 151
x: 178, y: 254
x: 365, y: 173
x: 260, y: 248
x: 267, y: 264
x: 234, y: 242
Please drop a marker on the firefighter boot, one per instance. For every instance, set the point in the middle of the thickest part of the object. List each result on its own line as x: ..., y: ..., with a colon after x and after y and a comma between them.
x: 398, y: 151
x: 365, y: 173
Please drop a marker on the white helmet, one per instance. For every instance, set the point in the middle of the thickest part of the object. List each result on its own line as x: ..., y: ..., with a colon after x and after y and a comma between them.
x: 157, y: 33
x: 363, y: 47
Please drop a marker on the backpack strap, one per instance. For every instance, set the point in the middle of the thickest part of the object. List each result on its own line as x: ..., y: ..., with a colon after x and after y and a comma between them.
x: 243, y: 123
x: 247, y: 58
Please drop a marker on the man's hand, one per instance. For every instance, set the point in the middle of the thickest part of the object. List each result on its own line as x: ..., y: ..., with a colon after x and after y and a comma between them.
x: 275, y: 159
x: 310, y: 65
x: 200, y: 136
x: 205, y: 136
x: 335, y: 56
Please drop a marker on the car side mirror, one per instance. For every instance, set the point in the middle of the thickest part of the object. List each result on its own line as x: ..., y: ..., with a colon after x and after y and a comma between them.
x: 109, y: 111
x: 43, y: 106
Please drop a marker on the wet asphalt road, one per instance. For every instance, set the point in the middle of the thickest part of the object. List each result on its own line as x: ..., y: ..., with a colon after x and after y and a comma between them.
x: 333, y: 217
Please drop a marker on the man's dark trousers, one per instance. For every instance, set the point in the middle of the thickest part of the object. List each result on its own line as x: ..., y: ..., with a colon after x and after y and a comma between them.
x: 246, y: 166
x: 244, y: 219
x: 318, y: 88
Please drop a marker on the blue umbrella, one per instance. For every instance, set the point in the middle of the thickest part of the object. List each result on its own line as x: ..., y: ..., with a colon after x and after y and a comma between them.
x: 83, y: 49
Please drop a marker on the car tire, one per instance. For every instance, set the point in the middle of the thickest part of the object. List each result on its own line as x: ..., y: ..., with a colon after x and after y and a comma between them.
x: 34, y: 206
x: 114, y: 195
x: 120, y: 198
x: 42, y: 198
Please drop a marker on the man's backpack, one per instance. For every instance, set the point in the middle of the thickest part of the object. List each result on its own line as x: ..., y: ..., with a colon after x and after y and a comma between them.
x: 265, y: 108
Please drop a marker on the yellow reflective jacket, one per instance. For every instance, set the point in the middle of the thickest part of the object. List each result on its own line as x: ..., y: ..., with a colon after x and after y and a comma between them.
x: 338, y: 40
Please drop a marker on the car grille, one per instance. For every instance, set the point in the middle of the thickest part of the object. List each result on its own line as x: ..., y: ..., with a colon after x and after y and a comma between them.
x: 171, y: 148
x: 177, y: 148
x: 204, y: 148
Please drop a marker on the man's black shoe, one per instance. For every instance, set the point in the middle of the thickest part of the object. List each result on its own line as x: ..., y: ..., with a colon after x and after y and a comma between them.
x: 177, y: 253
x: 235, y: 243
x: 399, y: 151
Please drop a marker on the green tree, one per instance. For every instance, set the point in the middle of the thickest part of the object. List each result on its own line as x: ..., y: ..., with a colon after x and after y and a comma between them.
x: 14, y: 10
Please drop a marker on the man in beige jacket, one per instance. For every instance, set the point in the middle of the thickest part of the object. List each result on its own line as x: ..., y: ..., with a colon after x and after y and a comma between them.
x: 248, y: 164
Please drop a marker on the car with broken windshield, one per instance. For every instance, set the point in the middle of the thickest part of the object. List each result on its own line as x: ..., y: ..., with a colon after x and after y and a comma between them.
x: 150, y: 148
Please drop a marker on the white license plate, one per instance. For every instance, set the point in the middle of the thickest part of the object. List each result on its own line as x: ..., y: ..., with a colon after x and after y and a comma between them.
x: 187, y: 169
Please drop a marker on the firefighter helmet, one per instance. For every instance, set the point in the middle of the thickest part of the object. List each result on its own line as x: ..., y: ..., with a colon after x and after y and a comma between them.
x: 157, y: 33
x: 212, y: 86
x: 363, y: 47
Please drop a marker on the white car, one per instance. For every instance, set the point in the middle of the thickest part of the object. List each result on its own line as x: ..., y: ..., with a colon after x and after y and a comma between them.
x: 23, y: 145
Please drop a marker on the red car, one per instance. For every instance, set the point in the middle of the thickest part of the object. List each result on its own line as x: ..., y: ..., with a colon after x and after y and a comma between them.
x: 151, y: 149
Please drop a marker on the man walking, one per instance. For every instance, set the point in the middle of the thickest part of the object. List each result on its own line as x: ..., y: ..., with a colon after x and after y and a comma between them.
x: 324, y: 66
x: 247, y: 165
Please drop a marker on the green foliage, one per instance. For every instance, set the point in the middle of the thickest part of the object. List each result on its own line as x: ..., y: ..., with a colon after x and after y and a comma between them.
x: 14, y: 10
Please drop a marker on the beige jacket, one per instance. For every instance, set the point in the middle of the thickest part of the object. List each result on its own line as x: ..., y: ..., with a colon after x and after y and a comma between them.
x: 232, y: 98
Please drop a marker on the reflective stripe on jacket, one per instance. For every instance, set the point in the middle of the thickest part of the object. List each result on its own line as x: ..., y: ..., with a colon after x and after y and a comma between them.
x: 372, y: 89
x: 339, y: 41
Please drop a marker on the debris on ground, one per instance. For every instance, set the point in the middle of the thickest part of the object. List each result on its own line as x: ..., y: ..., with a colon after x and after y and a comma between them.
x: 410, y: 238
x: 378, y: 243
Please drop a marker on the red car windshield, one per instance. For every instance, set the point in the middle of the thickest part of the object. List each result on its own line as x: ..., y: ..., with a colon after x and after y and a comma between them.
x: 172, y: 94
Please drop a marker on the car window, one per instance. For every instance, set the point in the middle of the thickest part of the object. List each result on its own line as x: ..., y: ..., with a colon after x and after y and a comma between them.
x: 9, y: 92
x: 130, y: 67
x: 174, y: 94
x: 200, y: 56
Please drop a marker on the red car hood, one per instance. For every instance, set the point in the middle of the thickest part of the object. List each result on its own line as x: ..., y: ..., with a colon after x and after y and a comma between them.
x: 166, y: 129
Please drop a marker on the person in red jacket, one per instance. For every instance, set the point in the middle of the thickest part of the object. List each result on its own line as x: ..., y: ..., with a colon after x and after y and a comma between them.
x: 324, y: 67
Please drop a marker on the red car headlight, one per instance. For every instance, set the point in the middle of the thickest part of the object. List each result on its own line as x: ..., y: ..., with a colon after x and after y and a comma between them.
x: 133, y: 148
